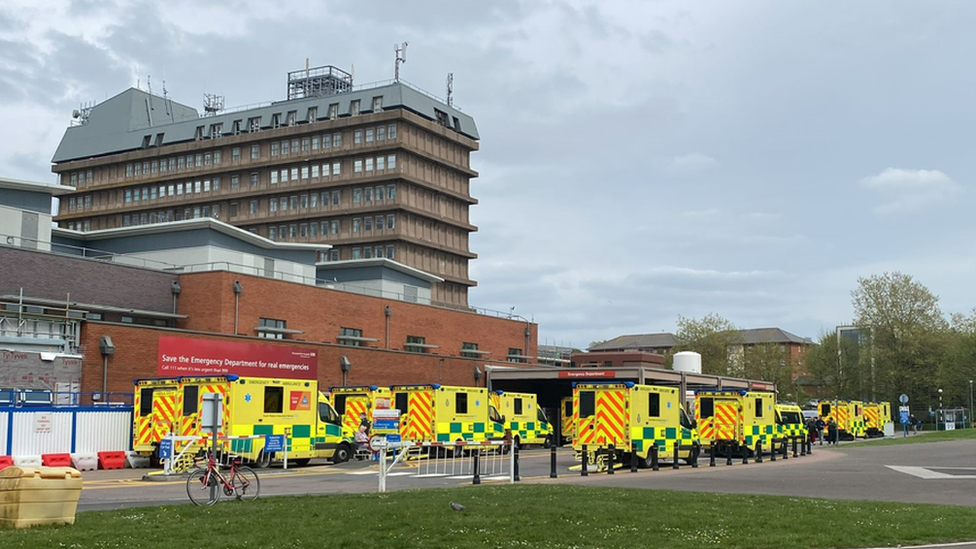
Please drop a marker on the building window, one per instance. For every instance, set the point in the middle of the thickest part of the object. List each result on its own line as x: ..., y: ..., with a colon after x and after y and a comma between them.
x: 333, y: 255
x: 380, y: 163
x: 379, y: 223
x: 357, y: 253
x: 292, y: 230
x: 357, y: 195
x: 254, y: 179
x: 304, y: 172
x: 391, y: 221
x: 333, y: 111
x: 315, y: 142
x: 313, y: 114
x: 369, y: 164
x: 275, y: 148
x: 416, y: 344
x: 350, y: 336
x: 293, y: 202
x: 232, y: 210
x: 381, y: 133
x: 389, y: 251
x: 313, y: 229
x: 305, y: 144
x: 368, y: 195
x: 235, y: 154
x: 356, y: 223
x: 283, y: 201
x: 303, y: 201
x: 368, y: 224
x: 273, y: 205
x: 369, y: 135
x: 335, y: 168
x: 294, y: 174
x: 378, y: 251
x: 291, y: 120
x: 515, y: 355
x: 391, y: 162
x: 336, y: 196
x: 354, y: 107
x: 357, y: 137
x: 255, y: 152
x: 391, y: 191
x: 391, y: 131
x: 253, y: 207
x: 235, y: 182
x: 335, y: 226
x: 466, y: 349
x: 336, y: 140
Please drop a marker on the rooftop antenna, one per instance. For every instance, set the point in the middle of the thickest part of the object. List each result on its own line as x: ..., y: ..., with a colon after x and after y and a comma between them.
x: 166, y: 101
x: 401, y: 57
x: 212, y: 104
x: 450, y: 89
x: 149, y: 83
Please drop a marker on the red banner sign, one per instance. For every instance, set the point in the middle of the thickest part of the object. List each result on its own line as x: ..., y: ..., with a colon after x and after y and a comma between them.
x: 179, y: 356
x: 587, y: 374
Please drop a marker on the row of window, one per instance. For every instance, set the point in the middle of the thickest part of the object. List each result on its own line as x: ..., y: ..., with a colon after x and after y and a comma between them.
x: 213, y: 158
x: 154, y: 192
x: 360, y: 252
x: 165, y: 216
x: 329, y: 226
x: 172, y: 164
x: 80, y: 203
x: 381, y: 164
x: 81, y: 179
x: 369, y: 135
x: 285, y: 175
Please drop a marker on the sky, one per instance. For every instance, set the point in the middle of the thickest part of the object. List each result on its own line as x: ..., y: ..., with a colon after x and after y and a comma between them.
x: 639, y: 161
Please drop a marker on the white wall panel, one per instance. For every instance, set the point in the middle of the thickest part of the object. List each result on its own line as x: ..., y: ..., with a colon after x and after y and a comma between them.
x: 36, y: 433
x: 103, y: 431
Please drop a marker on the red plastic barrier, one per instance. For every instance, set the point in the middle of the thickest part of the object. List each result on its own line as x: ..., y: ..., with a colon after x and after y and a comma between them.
x: 111, y: 460
x: 6, y: 461
x: 56, y: 460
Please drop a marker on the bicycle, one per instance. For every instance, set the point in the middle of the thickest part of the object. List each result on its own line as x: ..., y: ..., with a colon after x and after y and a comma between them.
x: 205, y: 484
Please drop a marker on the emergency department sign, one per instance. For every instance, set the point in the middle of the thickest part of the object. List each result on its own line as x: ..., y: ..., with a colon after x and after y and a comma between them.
x: 183, y: 356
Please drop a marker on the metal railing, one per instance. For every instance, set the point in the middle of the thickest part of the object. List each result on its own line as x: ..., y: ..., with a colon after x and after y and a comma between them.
x: 42, y: 398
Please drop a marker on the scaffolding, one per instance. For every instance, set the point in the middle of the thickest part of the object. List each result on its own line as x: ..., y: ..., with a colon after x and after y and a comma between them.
x: 318, y: 82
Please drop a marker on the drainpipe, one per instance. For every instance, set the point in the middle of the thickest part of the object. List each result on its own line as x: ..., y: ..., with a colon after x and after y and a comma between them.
x: 237, y: 302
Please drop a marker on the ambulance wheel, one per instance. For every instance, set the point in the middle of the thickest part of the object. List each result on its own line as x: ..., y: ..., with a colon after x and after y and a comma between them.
x: 300, y: 462
x: 548, y: 442
x: 341, y: 454
x: 263, y: 461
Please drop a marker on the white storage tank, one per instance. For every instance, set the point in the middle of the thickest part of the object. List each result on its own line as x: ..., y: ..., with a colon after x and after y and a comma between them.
x: 687, y: 361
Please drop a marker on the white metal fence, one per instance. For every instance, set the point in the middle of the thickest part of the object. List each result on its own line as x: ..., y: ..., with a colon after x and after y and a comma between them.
x: 474, y: 461
x: 33, y: 431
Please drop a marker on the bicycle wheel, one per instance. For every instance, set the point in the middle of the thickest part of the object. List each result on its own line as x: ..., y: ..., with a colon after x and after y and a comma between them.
x: 247, y: 486
x: 202, y: 488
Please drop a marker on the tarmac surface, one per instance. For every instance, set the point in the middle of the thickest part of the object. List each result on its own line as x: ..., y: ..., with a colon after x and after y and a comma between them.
x: 941, y: 472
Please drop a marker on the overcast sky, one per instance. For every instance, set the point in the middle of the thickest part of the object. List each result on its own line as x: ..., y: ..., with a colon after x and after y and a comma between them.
x: 639, y: 160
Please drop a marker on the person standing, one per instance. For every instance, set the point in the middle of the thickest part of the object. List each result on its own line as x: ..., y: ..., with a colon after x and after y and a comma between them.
x: 832, y: 432
x: 820, y: 428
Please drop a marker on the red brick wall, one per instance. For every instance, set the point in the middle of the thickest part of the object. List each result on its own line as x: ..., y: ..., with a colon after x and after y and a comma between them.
x: 208, y: 299
x: 137, y: 352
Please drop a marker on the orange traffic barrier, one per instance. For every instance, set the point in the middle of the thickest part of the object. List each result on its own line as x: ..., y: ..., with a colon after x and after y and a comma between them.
x: 111, y: 460
x: 56, y: 460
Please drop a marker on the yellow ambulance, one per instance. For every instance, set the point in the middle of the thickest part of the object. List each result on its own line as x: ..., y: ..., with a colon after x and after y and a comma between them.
x: 522, y: 415
x: 876, y: 415
x: 789, y: 422
x: 567, y: 420
x: 736, y: 420
x: 847, y: 414
x: 438, y: 413
x: 631, y: 418
x: 252, y: 406
x: 354, y: 403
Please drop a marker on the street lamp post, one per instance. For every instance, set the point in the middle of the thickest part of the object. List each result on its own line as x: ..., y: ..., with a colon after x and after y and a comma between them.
x: 941, y: 413
x: 970, y: 403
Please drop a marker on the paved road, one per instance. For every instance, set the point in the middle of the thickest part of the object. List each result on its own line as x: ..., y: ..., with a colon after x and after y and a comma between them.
x: 926, y: 473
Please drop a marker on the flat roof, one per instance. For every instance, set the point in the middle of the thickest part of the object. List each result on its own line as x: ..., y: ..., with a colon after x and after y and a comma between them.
x: 186, y: 225
x: 34, y: 186
x: 627, y: 373
x: 377, y: 262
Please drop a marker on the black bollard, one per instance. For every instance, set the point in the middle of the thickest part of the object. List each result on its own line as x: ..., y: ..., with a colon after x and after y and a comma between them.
x: 654, y: 464
x: 633, y: 458
x: 759, y: 457
x: 516, y: 450
x: 803, y: 446
x: 695, y: 452
x: 745, y: 454
x: 809, y: 447
x: 552, y: 462
x: 711, y: 454
x: 583, y: 471
x: 794, y: 448
x: 728, y: 453
x: 674, y: 462
x: 477, y: 472
x: 786, y: 449
x: 772, y: 454
x: 610, y: 456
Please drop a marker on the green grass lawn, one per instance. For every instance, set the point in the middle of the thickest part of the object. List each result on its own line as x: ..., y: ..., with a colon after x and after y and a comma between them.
x: 926, y: 436
x: 513, y: 516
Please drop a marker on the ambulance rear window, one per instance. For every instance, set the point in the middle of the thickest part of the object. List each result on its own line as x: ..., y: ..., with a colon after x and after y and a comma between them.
x: 654, y: 404
x: 190, y: 403
x: 518, y: 406
x: 759, y: 407
x: 274, y: 400
x: 401, y: 403
x: 145, y: 402
x: 461, y: 403
x: 568, y: 409
x: 825, y: 409
x: 587, y: 407
x: 706, y: 408
x: 340, y: 404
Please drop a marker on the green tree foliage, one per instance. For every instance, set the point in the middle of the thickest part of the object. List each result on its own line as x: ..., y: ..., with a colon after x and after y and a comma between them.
x: 836, y: 364
x: 710, y: 337
x: 908, y: 336
x: 770, y: 362
x: 959, y: 366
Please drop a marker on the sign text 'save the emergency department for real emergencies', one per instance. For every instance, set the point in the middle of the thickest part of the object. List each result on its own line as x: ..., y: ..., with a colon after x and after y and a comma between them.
x: 179, y: 356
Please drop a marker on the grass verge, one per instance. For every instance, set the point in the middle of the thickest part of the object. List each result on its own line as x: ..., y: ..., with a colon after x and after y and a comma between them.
x: 940, y: 436
x: 507, y: 516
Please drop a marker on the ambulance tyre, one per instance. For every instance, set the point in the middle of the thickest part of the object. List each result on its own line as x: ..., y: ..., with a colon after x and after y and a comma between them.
x: 341, y: 454
x: 263, y: 461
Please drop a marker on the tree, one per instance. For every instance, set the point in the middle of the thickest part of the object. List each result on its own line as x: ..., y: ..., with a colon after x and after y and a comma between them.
x: 711, y: 337
x: 770, y: 362
x: 959, y: 366
x: 908, y: 335
x: 837, y: 366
